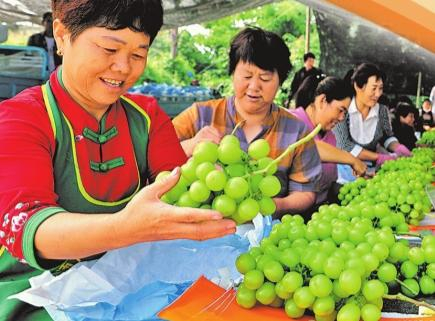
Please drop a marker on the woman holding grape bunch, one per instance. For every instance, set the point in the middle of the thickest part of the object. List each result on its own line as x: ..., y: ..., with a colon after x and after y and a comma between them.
x: 259, y: 62
x: 77, y: 152
x: 325, y: 102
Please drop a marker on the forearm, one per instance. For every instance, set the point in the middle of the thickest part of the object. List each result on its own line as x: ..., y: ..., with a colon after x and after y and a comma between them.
x: 74, y: 236
x: 367, y: 155
x: 392, y: 147
x: 294, y: 203
x: 332, y: 154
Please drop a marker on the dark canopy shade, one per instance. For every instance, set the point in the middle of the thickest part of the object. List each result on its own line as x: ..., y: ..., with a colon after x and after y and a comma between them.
x: 346, y: 40
x: 411, y: 19
x: 177, y: 12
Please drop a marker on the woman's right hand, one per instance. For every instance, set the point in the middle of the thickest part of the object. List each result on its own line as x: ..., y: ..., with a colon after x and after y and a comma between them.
x: 207, y: 133
x: 147, y: 218
x: 359, y: 167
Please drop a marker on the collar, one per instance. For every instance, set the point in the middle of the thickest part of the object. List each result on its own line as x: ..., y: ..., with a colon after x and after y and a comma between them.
x: 373, y: 112
x: 268, y: 121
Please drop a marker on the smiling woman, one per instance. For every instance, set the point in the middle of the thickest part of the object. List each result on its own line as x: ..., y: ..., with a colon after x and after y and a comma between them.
x: 80, y: 145
x: 367, y: 124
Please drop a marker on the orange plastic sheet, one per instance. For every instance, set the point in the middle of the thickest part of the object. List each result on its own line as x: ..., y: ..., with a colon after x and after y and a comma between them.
x: 205, y: 301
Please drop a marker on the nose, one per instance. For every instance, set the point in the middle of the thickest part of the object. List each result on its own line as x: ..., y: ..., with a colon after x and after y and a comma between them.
x: 341, y: 116
x: 379, y: 92
x: 121, y: 64
x: 254, y: 84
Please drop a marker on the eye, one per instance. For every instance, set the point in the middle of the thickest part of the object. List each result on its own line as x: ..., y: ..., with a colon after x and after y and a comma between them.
x: 109, y: 50
x: 138, y: 57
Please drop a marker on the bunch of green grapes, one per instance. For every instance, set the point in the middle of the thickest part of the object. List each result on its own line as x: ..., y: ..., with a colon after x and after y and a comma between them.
x: 225, y: 178
x: 338, y: 266
x: 428, y: 138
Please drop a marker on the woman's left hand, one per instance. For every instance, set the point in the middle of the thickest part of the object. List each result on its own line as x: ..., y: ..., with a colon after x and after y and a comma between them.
x: 402, y: 150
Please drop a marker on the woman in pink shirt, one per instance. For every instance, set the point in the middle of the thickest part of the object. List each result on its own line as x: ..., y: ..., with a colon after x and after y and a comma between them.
x: 325, y: 102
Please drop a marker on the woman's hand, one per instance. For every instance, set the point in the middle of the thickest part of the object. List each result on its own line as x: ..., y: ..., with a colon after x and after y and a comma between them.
x: 382, y: 158
x: 402, y: 150
x: 359, y: 167
x: 147, y: 218
x: 207, y: 133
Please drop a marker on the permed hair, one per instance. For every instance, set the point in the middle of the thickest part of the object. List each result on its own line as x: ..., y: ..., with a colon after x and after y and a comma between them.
x: 138, y: 15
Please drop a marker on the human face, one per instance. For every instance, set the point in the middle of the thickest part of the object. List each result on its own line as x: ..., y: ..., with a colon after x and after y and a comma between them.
x: 48, y: 26
x: 369, y: 94
x: 309, y: 63
x: 101, y: 64
x: 408, y: 120
x: 427, y: 106
x: 254, y: 88
x: 330, y: 114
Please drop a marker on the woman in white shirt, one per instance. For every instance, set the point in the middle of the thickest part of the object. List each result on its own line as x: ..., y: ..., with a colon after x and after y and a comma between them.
x: 367, y: 126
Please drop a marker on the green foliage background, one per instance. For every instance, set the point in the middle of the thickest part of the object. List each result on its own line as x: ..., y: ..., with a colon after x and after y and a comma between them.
x: 205, y: 57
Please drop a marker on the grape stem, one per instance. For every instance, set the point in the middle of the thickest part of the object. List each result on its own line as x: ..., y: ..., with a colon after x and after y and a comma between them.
x: 240, y: 123
x: 402, y: 297
x: 408, y: 234
x: 405, y: 286
x: 289, y: 149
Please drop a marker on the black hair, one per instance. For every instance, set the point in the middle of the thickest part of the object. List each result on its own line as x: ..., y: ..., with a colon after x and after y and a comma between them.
x: 404, y: 109
x: 309, y: 55
x: 262, y: 48
x: 363, y: 72
x: 333, y: 88
x: 384, y: 100
x: 426, y: 99
x: 46, y: 16
x: 138, y: 15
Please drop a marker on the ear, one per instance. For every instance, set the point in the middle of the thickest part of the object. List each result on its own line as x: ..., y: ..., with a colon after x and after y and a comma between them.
x: 355, y: 86
x: 321, y: 99
x: 60, y: 34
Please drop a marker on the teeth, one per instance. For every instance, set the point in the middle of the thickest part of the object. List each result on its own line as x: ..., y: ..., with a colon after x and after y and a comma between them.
x: 113, y: 82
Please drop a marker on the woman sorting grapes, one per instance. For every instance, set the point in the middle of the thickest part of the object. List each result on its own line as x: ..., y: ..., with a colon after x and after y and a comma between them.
x: 259, y: 63
x: 325, y: 102
x: 76, y: 153
x: 366, y: 130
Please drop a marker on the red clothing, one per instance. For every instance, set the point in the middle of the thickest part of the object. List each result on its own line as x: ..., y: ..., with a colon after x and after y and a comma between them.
x: 27, y: 148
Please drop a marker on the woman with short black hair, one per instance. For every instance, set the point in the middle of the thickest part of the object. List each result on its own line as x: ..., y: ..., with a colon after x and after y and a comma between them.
x: 77, y: 153
x: 259, y: 62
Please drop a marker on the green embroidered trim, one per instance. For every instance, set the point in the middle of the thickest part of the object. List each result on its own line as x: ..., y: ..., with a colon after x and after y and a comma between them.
x: 107, y: 166
x: 29, y: 233
x: 100, y: 138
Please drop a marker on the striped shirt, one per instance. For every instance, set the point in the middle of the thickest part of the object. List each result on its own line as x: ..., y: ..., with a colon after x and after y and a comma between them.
x: 298, y: 171
x: 365, y: 136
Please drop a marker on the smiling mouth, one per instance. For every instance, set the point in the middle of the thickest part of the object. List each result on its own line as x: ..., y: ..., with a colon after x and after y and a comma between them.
x: 112, y: 82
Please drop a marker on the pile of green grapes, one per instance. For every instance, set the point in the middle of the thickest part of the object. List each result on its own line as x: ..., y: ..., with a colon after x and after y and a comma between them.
x: 428, y: 138
x: 340, y: 265
x: 400, y: 184
x: 224, y: 177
